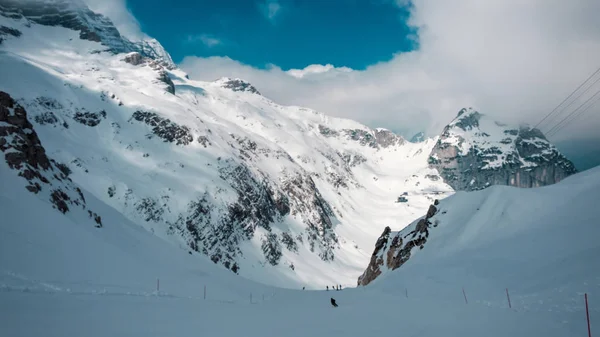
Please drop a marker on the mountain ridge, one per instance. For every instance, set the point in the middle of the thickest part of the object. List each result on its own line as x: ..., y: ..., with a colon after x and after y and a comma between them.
x: 280, y: 194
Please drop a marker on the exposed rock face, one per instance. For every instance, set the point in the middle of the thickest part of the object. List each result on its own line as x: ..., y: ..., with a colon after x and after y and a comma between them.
x: 236, y: 84
x: 25, y: 154
x: 7, y: 31
x: 134, y: 58
x: 473, y: 153
x: 88, y: 118
x: 163, y: 76
x: 164, y: 128
x: 260, y: 204
x: 137, y: 59
x: 393, y: 249
x: 377, y: 139
x: 75, y: 15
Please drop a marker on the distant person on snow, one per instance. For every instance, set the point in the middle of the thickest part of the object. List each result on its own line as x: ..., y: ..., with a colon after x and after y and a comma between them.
x: 327, y: 287
x: 333, y: 302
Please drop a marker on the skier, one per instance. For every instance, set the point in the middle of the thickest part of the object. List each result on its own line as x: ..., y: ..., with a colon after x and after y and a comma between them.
x: 327, y: 288
x: 333, y: 302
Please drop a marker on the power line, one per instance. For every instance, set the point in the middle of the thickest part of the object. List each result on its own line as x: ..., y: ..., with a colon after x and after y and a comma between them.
x: 574, y: 114
x: 576, y: 98
x: 574, y: 91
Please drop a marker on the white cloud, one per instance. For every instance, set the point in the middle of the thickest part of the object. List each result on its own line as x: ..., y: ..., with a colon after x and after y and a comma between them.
x: 119, y: 14
x: 206, y: 39
x: 270, y: 9
x: 318, y: 69
x: 512, y: 59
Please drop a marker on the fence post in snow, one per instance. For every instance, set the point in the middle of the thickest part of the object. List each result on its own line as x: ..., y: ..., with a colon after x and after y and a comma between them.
x: 508, y: 297
x: 205, y: 291
x: 587, y: 314
x: 465, y: 295
x: 157, y: 285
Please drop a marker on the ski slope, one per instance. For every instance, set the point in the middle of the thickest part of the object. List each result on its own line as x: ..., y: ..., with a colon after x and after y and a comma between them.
x: 60, y: 278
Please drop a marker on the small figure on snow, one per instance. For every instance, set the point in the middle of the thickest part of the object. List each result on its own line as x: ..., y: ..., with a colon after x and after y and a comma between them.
x: 333, y: 302
x: 327, y: 288
x: 302, y: 288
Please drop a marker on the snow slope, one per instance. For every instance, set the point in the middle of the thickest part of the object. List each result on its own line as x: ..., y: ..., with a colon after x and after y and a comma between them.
x: 539, y: 243
x: 61, y: 278
x: 282, y: 195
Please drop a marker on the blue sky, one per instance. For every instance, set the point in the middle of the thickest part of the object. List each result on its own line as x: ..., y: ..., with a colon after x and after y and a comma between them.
x: 288, y: 33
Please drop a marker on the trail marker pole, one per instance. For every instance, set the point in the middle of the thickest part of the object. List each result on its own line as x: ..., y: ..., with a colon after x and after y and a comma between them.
x: 508, y: 297
x: 587, y: 314
x: 157, y: 285
x: 205, y: 291
x: 465, y: 295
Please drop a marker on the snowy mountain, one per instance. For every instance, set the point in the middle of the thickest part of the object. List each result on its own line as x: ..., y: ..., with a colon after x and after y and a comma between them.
x: 501, y: 234
x: 73, y: 14
x: 418, y: 137
x: 60, y: 276
x: 475, y: 152
x: 279, y: 194
x: 283, y: 195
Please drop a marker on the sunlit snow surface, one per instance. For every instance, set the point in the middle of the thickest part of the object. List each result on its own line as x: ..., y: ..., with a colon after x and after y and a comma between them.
x: 61, y: 278
x: 52, y: 62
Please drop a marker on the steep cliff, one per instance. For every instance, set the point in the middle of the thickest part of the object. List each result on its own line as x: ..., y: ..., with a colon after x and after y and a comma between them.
x: 474, y: 152
x: 393, y: 249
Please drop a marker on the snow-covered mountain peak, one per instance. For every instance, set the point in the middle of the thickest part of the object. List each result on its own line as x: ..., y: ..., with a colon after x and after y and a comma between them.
x: 75, y: 15
x: 236, y: 84
x: 466, y: 119
x: 474, y: 152
x: 280, y: 194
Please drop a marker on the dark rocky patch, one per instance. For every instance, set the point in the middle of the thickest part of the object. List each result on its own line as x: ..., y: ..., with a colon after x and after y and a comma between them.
x: 271, y: 249
x: 396, y: 252
x: 25, y: 154
x: 240, y: 86
x: 89, y: 118
x: 289, y: 242
x: 7, y: 31
x: 164, y: 128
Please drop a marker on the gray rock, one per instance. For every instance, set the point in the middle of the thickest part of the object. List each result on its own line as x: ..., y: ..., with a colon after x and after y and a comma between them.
x: 522, y: 157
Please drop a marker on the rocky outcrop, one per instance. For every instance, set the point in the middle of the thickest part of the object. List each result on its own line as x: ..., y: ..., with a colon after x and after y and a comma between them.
x: 164, y: 128
x: 7, y: 31
x: 236, y: 84
x: 473, y: 153
x: 378, y: 138
x: 25, y: 154
x: 88, y: 118
x: 137, y: 59
x: 393, y: 249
